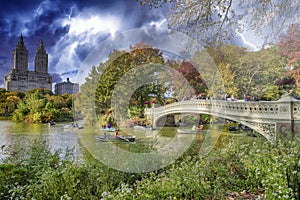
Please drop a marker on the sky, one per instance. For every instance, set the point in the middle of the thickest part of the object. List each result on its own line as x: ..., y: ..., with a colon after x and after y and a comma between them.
x: 71, y: 30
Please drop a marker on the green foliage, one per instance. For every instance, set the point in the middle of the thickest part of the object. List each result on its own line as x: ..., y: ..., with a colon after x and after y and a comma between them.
x: 270, y: 93
x: 20, y: 112
x: 241, y: 72
x: 135, y: 112
x: 40, y: 106
x: 140, y: 54
x: 242, y: 166
x: 9, y: 101
x: 262, y: 169
x: 96, y: 92
x: 40, y: 92
x: 36, y: 173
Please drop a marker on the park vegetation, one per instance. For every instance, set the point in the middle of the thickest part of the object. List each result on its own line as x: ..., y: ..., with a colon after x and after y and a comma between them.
x: 36, y: 106
x: 266, y: 74
x: 239, y: 168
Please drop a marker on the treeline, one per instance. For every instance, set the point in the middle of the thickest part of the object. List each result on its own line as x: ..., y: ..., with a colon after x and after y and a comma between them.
x: 129, y: 81
x: 36, y: 106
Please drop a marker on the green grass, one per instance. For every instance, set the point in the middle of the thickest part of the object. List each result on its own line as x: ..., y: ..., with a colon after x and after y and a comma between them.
x: 238, y: 166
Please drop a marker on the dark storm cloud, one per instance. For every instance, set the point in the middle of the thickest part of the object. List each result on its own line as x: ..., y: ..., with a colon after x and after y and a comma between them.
x: 70, y: 73
x: 12, y: 6
x: 3, y: 60
x: 69, y: 29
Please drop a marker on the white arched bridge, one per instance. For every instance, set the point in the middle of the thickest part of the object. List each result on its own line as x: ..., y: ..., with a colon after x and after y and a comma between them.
x: 269, y: 118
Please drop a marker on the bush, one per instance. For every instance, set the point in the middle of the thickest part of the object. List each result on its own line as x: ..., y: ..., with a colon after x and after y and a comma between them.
x: 241, y: 167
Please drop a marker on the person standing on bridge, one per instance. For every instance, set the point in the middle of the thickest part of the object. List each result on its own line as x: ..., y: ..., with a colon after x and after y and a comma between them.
x: 227, y: 97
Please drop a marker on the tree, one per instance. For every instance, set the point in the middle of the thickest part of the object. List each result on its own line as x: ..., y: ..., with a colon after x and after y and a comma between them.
x: 103, y: 81
x: 258, y: 70
x: 187, y: 80
x: 226, y: 58
x: 218, y: 20
x: 217, y: 68
x: 39, y: 106
x: 289, y: 46
x: 126, y: 64
x: 84, y: 102
x: 31, y: 108
x: 239, y: 71
x: 206, y: 65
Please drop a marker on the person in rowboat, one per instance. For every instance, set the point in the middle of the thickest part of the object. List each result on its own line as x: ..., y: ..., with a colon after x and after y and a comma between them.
x: 117, y: 133
x: 201, y: 127
x: 194, y: 128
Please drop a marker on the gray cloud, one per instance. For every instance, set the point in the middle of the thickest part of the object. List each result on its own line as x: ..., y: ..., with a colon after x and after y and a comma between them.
x: 71, y: 30
x: 56, y: 78
x: 63, y: 28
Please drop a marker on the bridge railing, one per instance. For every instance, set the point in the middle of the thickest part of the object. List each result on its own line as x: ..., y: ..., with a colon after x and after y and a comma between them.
x: 257, y: 109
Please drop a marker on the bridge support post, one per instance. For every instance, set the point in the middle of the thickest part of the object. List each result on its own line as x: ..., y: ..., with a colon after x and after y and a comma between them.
x: 287, y: 128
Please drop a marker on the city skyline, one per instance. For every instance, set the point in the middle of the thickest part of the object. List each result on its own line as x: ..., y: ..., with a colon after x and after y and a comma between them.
x: 70, y: 30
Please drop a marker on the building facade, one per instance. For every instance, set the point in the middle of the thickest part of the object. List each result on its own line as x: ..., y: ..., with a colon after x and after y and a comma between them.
x: 66, y: 87
x: 19, y: 78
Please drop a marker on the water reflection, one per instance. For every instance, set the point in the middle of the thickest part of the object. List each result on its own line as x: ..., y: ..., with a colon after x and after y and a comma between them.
x: 17, y: 136
x: 165, y: 142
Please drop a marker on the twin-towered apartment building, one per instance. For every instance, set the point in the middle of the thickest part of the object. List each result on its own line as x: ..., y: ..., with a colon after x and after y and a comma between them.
x: 19, y: 78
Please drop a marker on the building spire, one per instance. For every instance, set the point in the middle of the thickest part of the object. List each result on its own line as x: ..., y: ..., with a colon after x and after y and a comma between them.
x: 41, y: 59
x: 41, y: 45
x: 21, y: 42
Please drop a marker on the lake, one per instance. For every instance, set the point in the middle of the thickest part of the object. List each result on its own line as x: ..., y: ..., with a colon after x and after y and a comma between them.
x: 20, y: 135
x: 152, y: 149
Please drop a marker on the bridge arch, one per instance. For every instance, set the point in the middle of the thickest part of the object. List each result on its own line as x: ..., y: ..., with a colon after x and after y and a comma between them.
x: 268, y: 118
x: 245, y: 123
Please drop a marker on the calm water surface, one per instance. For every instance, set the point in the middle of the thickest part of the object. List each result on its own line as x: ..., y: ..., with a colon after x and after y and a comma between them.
x: 19, y: 135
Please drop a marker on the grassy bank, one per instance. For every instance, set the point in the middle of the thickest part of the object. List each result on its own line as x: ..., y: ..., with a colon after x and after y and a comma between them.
x: 240, y: 169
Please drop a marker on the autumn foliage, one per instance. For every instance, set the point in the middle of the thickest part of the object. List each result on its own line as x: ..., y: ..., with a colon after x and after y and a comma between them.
x: 290, y: 46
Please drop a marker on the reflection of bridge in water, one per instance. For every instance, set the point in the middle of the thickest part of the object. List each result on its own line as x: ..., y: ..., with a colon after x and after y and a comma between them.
x: 271, y: 119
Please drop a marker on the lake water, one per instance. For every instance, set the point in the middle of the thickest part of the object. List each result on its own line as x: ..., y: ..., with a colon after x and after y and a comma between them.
x: 20, y: 135
x: 156, y: 148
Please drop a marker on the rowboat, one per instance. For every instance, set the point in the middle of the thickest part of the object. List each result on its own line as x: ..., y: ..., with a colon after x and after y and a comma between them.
x: 188, y: 131
x: 51, y: 123
x: 119, y: 138
x: 72, y: 127
x: 108, y: 129
x: 146, y: 128
x: 233, y: 128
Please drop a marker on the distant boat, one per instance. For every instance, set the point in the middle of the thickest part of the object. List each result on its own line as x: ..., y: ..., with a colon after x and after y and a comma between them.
x: 233, y: 128
x: 181, y: 131
x: 108, y: 129
x: 51, y: 123
x: 239, y: 127
x: 146, y: 128
x: 72, y: 126
x: 120, y: 138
